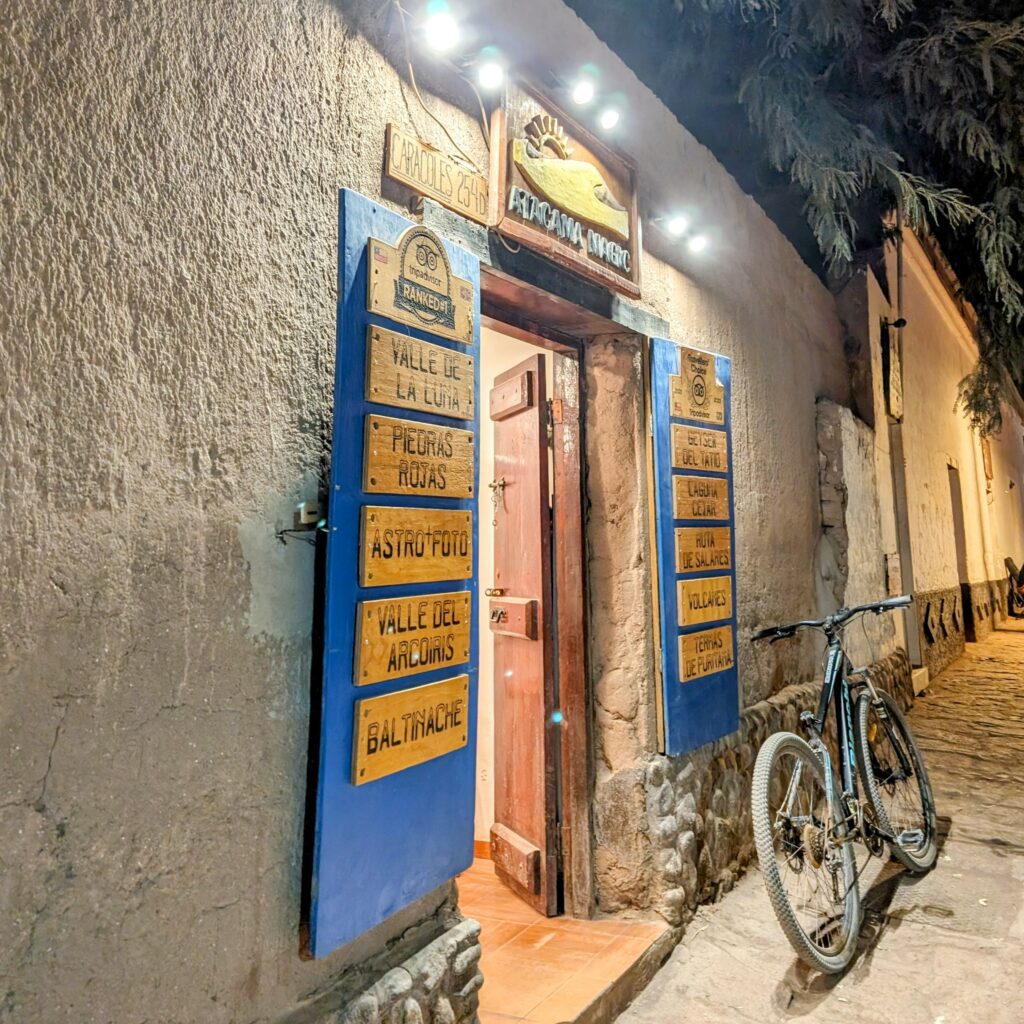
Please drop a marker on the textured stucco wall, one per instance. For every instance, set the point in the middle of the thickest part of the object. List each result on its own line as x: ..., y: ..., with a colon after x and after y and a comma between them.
x: 168, y: 321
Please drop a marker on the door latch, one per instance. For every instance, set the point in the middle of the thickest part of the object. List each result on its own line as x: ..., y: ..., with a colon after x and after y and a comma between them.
x: 494, y: 592
x: 499, y: 613
x: 497, y: 496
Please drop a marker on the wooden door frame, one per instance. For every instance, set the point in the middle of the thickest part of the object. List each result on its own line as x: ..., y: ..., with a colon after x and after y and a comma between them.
x: 520, y: 311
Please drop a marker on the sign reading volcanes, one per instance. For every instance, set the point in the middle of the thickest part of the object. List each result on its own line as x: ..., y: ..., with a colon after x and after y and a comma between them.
x: 563, y: 193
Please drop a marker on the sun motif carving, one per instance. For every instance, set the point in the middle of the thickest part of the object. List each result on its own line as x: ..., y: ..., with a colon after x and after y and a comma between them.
x: 542, y: 131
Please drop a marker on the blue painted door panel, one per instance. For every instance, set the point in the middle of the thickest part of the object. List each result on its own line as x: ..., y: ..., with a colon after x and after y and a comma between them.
x: 707, y: 708
x: 379, y: 846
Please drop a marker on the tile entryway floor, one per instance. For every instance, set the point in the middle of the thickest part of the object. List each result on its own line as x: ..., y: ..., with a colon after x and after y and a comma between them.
x: 544, y: 970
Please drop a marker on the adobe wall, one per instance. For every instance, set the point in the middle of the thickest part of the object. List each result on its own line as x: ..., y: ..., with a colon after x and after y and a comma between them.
x: 169, y: 315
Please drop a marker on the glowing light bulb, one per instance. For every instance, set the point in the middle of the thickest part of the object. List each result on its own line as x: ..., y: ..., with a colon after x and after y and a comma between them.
x: 698, y: 243
x: 677, y: 225
x: 609, y: 119
x: 441, y: 31
x: 583, y: 92
x: 490, y: 75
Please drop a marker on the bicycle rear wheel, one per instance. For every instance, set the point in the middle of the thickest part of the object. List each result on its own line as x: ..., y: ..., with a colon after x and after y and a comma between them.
x: 896, y: 781
x: 811, y: 879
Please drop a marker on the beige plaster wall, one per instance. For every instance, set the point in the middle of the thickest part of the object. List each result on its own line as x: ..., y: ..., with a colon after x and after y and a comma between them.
x: 168, y: 321
x: 938, y: 352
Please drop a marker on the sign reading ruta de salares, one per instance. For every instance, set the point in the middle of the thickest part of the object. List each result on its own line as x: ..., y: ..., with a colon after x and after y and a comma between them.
x: 564, y: 193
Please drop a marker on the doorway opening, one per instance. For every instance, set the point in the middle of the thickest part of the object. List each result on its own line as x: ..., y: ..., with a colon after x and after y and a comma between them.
x: 960, y: 539
x: 544, y: 959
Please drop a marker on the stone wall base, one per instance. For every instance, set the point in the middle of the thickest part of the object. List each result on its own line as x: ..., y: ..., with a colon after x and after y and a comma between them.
x: 698, y: 805
x: 988, y: 606
x: 436, y: 985
x: 943, y: 634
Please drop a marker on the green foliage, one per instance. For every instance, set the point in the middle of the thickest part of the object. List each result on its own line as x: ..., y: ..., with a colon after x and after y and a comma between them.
x: 879, y: 107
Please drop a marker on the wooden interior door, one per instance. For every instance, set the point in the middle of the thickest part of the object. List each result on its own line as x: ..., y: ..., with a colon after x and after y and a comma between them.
x: 523, y: 838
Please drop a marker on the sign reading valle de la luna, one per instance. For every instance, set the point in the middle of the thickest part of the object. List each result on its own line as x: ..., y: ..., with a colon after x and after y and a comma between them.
x: 567, y: 195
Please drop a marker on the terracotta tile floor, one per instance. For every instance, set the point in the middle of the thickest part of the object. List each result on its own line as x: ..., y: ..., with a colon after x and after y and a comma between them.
x: 544, y: 970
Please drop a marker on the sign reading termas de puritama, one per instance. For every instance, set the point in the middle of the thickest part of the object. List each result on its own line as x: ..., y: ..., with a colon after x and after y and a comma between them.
x: 396, y: 739
x: 694, y: 526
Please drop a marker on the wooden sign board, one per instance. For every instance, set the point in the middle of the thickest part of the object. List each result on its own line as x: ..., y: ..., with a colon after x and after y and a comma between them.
x: 398, y: 730
x: 703, y: 547
x: 414, y: 374
x: 695, y: 448
x: 563, y: 193
x: 705, y: 653
x: 695, y: 391
x: 700, y: 497
x: 414, y: 545
x: 428, y: 171
x: 409, y: 457
x: 705, y: 600
x: 400, y: 636
x: 412, y: 283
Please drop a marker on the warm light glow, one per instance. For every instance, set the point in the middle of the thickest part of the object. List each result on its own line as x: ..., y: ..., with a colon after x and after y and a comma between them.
x: 609, y: 119
x: 583, y: 92
x: 441, y: 31
x: 698, y: 243
x: 677, y: 225
x: 490, y: 75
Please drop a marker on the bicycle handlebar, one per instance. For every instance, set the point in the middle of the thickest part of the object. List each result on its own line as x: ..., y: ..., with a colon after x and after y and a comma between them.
x: 832, y: 622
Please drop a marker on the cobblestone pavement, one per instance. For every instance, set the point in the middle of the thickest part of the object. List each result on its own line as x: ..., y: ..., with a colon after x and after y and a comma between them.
x: 947, y: 948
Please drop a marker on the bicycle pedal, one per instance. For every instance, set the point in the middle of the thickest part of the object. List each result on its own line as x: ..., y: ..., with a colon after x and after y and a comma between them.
x: 910, y: 839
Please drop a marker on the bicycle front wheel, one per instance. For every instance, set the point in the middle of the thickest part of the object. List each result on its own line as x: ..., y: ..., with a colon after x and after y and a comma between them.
x: 896, y: 782
x: 810, y: 877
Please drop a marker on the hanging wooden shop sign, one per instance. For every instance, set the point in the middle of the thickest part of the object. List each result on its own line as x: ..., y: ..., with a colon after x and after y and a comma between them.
x: 563, y: 193
x: 400, y: 636
x: 696, y: 393
x: 700, y: 497
x: 410, y: 457
x: 703, y: 547
x: 414, y: 545
x: 704, y: 653
x: 695, y: 448
x: 705, y: 600
x: 398, y: 730
x: 414, y: 374
x: 412, y: 283
x: 428, y: 171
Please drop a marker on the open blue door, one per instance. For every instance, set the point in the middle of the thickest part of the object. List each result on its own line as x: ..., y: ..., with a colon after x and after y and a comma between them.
x: 691, y: 424
x: 395, y: 789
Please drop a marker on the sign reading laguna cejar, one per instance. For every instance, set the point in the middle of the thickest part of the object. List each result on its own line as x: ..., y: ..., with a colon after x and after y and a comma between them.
x: 565, y: 194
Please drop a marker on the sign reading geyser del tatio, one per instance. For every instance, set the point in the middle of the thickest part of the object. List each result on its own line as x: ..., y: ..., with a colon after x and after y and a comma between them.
x: 564, y: 193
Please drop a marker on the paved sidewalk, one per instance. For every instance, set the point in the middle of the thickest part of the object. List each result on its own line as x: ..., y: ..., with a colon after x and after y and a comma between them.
x: 944, y: 949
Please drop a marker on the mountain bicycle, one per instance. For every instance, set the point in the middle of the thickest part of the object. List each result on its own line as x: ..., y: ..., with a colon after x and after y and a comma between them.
x: 806, y: 820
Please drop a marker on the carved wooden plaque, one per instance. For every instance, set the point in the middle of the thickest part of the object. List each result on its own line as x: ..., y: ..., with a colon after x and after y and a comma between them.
x: 700, y: 497
x: 703, y: 547
x: 413, y: 374
x: 414, y: 545
x: 398, y: 730
x: 431, y: 173
x: 412, y: 283
x: 695, y: 391
x: 706, y: 600
x: 704, y: 653
x: 409, y: 457
x: 695, y: 448
x: 400, y: 636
